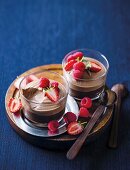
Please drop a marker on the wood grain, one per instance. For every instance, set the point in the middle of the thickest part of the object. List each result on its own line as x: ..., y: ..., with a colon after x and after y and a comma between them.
x: 98, y: 129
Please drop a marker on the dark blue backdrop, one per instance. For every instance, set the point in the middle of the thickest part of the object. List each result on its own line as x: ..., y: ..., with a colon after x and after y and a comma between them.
x: 38, y: 32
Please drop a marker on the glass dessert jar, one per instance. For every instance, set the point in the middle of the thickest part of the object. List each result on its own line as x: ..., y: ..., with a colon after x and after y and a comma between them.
x: 86, y: 71
x: 43, y: 95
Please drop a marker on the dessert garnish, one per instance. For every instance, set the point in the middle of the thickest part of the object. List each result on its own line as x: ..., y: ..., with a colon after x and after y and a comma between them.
x: 83, y: 112
x: 75, y: 128
x: 44, y: 82
x: 55, y: 84
x: 14, y: 105
x: 86, y: 102
x: 53, y: 125
x: 78, y: 61
x: 69, y: 117
x: 52, y: 93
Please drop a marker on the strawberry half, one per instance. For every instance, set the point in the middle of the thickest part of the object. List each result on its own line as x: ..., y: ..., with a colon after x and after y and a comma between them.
x: 86, y: 102
x: 78, y: 55
x: 74, y: 128
x: 70, y: 57
x: 69, y: 65
x: 83, y: 112
x: 53, y: 94
x: 95, y: 67
x: 14, y: 105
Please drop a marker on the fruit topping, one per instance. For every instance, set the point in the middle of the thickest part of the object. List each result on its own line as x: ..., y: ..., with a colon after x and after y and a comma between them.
x: 52, y: 94
x: 55, y: 84
x: 53, y: 125
x: 83, y: 112
x: 70, y: 57
x: 86, y: 102
x: 78, y: 55
x: 74, y: 128
x: 44, y: 82
x: 95, y: 67
x: 77, y: 74
x: 69, y: 65
x: 70, y: 117
x: 79, y: 66
x: 14, y: 105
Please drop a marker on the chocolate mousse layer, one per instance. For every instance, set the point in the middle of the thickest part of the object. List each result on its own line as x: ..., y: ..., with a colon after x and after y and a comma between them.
x: 38, y: 108
x: 91, y: 85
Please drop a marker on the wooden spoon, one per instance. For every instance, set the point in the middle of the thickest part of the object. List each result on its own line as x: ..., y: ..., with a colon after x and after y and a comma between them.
x: 74, y: 150
x: 121, y: 92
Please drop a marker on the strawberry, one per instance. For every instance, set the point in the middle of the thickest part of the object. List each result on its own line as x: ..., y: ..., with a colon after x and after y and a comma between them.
x: 53, y: 125
x: 14, y: 105
x: 83, y: 112
x: 27, y: 80
x: 69, y: 65
x: 78, y: 55
x: 95, y: 67
x: 55, y: 84
x: 86, y: 102
x: 79, y: 66
x: 52, y: 94
x: 77, y: 74
x: 70, y: 117
x: 74, y: 128
x: 44, y: 82
x: 70, y: 57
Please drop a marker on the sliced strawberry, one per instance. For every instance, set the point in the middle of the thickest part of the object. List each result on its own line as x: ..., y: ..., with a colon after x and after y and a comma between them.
x: 70, y: 117
x: 44, y: 82
x: 83, y: 112
x: 14, y: 105
x: 69, y: 65
x: 95, y: 67
x: 74, y: 128
x: 53, y: 125
x: 54, y: 84
x: 52, y: 94
x: 86, y: 102
x: 78, y: 55
x: 70, y: 57
x: 77, y: 74
x: 79, y: 66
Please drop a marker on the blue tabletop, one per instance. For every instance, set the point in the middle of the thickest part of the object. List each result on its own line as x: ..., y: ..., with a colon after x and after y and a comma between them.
x: 39, y: 32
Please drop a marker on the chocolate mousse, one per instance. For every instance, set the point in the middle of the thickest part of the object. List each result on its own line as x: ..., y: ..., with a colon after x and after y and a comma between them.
x: 43, y: 100
x: 86, y: 76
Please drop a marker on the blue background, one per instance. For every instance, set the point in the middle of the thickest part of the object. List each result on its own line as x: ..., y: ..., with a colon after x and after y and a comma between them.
x: 38, y: 32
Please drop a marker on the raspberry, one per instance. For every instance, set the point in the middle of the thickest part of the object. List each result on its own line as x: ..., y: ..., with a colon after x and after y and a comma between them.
x: 53, y: 125
x: 79, y: 66
x: 70, y: 117
x: 54, y: 84
x: 83, y: 112
x: 78, y: 55
x: 77, y: 74
x: 86, y: 102
x: 44, y: 82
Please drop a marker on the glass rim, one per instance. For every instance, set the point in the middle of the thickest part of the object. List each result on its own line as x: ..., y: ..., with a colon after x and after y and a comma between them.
x: 47, y: 103
x: 91, y: 50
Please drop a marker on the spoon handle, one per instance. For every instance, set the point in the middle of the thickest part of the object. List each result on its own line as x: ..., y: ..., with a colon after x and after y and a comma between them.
x: 73, y: 151
x: 113, y: 138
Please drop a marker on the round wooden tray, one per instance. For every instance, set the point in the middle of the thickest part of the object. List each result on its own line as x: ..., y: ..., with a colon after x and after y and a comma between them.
x: 63, y: 141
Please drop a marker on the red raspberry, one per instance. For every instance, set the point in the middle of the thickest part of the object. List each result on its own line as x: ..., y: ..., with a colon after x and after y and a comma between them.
x: 86, y: 102
x: 83, y: 112
x: 78, y: 55
x: 70, y: 117
x: 54, y: 84
x: 77, y: 74
x: 79, y: 66
x: 53, y: 125
x: 69, y: 65
x: 44, y: 83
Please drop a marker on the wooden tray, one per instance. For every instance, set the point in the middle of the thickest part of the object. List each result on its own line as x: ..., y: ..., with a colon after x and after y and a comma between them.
x: 63, y: 141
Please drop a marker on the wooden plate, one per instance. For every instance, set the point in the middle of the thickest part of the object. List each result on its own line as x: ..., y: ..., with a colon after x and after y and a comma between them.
x: 63, y: 141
